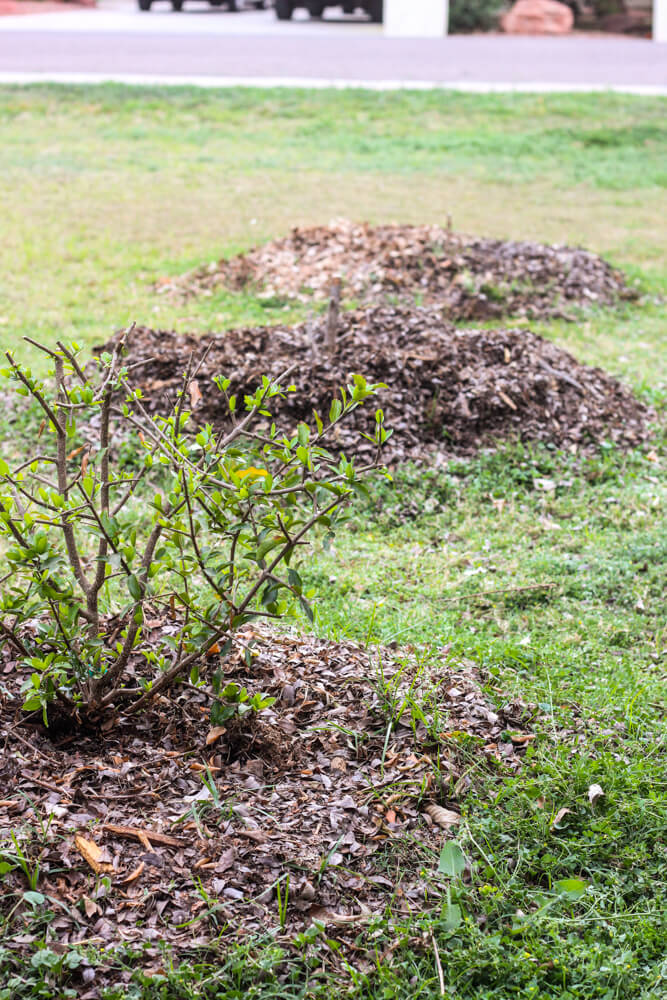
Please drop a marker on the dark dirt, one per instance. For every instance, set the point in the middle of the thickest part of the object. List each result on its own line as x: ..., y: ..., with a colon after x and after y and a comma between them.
x: 469, y: 277
x: 450, y: 391
x: 312, y: 790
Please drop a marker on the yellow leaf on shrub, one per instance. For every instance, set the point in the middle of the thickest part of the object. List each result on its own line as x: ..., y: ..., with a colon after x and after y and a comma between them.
x: 252, y: 471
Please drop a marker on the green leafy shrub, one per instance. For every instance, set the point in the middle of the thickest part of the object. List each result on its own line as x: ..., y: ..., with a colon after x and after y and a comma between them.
x: 200, y: 537
x: 234, y: 701
x: 473, y: 15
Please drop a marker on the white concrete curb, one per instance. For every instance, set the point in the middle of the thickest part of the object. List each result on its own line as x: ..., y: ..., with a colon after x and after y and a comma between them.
x: 315, y: 83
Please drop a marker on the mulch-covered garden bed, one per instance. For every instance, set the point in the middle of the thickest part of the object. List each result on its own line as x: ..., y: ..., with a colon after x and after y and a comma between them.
x: 472, y: 278
x: 318, y: 787
x: 449, y: 390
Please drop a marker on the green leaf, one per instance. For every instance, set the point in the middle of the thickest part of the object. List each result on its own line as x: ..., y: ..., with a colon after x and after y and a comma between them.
x: 134, y: 587
x: 452, y: 917
x: 45, y: 958
x: 307, y: 608
x: 571, y: 887
x: 452, y: 860
x: 34, y: 898
x: 221, y: 713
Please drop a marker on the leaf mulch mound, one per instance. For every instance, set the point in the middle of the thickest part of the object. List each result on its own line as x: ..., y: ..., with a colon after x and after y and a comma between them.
x: 319, y: 788
x: 471, y: 278
x: 449, y: 390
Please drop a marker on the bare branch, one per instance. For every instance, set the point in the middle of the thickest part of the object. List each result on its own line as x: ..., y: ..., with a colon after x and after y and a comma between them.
x: 61, y: 466
x: 34, y: 392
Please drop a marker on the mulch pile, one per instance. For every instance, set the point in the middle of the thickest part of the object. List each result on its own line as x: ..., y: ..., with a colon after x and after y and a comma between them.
x: 472, y: 278
x: 315, y: 790
x: 449, y: 390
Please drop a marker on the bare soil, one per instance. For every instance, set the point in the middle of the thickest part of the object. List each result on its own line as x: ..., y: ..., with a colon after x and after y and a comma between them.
x: 470, y: 277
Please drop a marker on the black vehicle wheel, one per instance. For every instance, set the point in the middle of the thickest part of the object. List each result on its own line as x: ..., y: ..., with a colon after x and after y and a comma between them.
x: 349, y: 8
x: 216, y: 3
x: 375, y: 11
x: 232, y: 6
x: 145, y: 4
x: 316, y: 9
x: 284, y: 10
x: 177, y: 5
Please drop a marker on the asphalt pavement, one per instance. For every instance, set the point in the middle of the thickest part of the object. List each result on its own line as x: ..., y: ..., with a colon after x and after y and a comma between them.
x: 213, y: 47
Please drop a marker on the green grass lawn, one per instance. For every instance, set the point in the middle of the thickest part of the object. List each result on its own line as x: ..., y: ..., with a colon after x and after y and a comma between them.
x: 106, y: 189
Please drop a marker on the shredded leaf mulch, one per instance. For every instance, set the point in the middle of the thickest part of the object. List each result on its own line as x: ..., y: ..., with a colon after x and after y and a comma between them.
x: 450, y: 391
x: 321, y: 787
x: 472, y: 278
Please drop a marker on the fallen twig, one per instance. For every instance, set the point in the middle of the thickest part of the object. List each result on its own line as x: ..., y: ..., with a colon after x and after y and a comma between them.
x: 564, y: 377
x: 143, y: 836
x: 500, y: 590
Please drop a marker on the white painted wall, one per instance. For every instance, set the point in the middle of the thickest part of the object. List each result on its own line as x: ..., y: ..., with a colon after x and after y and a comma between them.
x: 659, y: 20
x: 416, y: 18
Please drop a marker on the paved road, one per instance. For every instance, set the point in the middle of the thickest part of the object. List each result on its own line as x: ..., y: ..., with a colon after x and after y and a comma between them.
x: 214, y: 46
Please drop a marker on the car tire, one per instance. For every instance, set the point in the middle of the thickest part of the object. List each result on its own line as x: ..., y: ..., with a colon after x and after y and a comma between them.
x: 177, y: 5
x: 145, y: 4
x: 232, y: 6
x: 316, y: 9
x: 284, y: 10
x: 375, y: 10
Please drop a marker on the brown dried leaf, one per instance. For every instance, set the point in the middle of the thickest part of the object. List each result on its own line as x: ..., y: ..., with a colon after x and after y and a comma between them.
x: 92, y: 854
x: 133, y: 876
x: 559, y: 817
x: 195, y: 394
x: 214, y: 734
x: 443, y: 817
x: 595, y: 793
x: 341, y: 919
